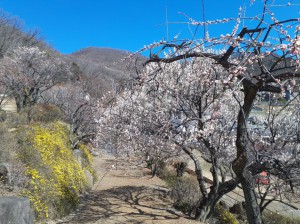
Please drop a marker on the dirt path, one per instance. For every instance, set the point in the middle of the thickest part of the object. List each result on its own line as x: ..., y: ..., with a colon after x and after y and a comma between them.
x: 126, y: 194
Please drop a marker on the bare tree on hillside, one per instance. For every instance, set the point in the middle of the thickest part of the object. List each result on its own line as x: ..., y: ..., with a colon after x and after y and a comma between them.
x: 28, y: 71
x: 78, y: 109
x: 13, y: 36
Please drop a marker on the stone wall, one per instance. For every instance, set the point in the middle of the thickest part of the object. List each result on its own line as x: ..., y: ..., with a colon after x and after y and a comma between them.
x: 15, y: 211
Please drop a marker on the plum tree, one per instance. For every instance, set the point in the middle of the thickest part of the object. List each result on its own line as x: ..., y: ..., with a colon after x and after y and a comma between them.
x: 195, y: 97
x: 29, y: 71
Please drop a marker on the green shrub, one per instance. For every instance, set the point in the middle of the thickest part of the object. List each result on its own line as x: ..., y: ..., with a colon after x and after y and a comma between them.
x: 169, y: 177
x: 159, y: 166
x: 43, y: 113
x: 87, y: 160
x: 16, y: 119
x: 8, y: 150
x: 238, y: 209
x: 185, y: 193
x: 274, y: 218
x: 156, y: 165
x: 224, y: 216
x: 8, y: 143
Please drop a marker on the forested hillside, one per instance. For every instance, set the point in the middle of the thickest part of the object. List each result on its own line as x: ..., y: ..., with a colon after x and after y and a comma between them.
x: 104, y: 69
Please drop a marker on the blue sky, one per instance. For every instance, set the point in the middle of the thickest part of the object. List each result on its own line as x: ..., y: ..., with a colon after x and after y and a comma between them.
x: 70, y: 25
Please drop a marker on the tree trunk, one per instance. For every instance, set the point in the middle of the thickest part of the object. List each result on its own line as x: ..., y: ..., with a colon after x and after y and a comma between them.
x: 244, y: 157
x: 27, y: 99
x: 206, y: 208
x: 207, y: 205
x: 252, y: 206
x: 20, y: 102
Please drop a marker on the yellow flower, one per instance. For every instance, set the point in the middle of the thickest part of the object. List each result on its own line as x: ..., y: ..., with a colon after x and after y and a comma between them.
x: 55, y: 174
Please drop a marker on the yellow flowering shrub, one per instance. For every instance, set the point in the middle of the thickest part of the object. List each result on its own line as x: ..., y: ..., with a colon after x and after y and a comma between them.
x: 56, y: 178
x: 86, y: 153
x: 224, y: 215
x: 87, y: 160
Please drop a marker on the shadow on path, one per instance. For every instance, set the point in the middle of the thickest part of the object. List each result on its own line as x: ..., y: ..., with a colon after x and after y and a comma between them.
x: 126, y: 204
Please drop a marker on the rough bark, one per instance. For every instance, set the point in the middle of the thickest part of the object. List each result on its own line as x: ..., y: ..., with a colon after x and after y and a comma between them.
x: 22, y: 102
x: 240, y: 165
x: 252, y: 206
x: 26, y: 99
x: 206, y: 205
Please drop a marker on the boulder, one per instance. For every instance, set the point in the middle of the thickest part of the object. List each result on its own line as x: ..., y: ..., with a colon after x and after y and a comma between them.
x: 15, y: 210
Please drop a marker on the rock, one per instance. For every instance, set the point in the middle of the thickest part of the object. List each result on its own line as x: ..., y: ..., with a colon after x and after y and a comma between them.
x: 89, y: 178
x: 96, y: 153
x: 78, y: 155
x: 4, y: 173
x: 15, y: 210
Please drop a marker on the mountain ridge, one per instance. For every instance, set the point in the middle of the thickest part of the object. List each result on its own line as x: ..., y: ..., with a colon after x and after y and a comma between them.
x: 106, y: 66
